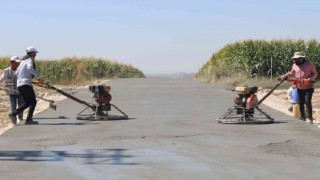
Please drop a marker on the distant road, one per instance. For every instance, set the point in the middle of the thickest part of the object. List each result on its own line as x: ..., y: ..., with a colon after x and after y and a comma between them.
x: 172, y: 134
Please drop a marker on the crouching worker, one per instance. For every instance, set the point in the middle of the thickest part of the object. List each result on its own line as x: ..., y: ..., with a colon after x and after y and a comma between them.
x: 25, y: 72
x: 290, y: 98
x: 9, y: 78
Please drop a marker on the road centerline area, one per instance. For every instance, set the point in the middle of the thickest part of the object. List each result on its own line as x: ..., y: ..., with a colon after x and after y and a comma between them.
x: 171, y: 133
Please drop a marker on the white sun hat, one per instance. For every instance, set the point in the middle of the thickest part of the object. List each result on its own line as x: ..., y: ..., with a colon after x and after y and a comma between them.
x: 32, y: 49
x: 15, y: 58
x: 298, y: 55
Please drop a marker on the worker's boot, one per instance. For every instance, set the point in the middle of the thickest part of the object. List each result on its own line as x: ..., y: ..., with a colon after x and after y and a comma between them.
x: 309, y: 120
x: 20, y: 116
x: 302, y: 118
x: 30, y: 122
x: 13, y: 118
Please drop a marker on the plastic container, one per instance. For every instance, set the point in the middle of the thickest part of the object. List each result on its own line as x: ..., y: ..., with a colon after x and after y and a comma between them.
x: 296, y: 110
x: 295, y: 96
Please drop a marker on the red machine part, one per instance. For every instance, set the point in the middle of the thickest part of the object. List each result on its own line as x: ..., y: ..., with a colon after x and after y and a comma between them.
x: 252, y: 102
x: 104, y: 97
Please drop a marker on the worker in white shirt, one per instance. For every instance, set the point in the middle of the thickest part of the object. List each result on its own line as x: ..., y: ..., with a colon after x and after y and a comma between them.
x: 25, y: 72
x: 9, y: 79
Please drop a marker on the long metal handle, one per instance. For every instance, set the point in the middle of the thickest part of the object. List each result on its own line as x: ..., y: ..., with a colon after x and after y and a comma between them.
x: 48, y: 86
x: 268, y: 94
x: 52, y: 104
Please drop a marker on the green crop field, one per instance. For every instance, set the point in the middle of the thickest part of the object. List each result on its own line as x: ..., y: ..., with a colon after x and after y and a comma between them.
x: 257, y: 58
x: 75, y: 70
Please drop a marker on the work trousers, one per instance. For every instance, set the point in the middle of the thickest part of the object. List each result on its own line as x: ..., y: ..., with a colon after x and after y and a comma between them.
x: 29, y: 96
x: 14, y: 98
x: 305, y: 98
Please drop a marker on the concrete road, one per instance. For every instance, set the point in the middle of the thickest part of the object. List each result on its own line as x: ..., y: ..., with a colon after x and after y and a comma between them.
x: 172, y: 133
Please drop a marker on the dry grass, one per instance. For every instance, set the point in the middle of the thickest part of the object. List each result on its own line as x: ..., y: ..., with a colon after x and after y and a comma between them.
x: 242, y: 80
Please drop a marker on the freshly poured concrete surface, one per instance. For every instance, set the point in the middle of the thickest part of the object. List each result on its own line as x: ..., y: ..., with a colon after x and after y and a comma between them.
x: 172, y: 133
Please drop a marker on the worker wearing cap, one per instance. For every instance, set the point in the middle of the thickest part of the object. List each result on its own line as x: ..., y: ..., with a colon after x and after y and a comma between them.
x: 9, y: 78
x: 303, y: 69
x: 25, y: 72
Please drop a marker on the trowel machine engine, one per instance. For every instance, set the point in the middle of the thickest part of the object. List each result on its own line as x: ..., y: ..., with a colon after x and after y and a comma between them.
x: 99, y: 110
x: 100, y: 94
x: 246, y: 100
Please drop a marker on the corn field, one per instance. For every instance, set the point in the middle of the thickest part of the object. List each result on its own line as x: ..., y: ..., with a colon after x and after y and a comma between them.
x: 74, y: 70
x: 261, y: 58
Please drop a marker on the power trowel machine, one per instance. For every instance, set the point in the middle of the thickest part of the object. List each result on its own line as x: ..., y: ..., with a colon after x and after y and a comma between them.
x: 246, y: 107
x: 95, y: 111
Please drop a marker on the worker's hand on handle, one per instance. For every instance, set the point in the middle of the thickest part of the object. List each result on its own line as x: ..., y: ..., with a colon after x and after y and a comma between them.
x: 306, y: 81
x: 280, y: 78
x: 39, y: 81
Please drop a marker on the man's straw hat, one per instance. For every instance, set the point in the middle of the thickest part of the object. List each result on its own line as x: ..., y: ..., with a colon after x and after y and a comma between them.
x: 298, y: 55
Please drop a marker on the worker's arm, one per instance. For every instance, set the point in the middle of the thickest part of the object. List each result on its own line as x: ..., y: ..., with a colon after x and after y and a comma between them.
x: 291, y: 73
x: 314, y: 73
x: 287, y: 75
x: 2, y: 77
x: 30, y: 68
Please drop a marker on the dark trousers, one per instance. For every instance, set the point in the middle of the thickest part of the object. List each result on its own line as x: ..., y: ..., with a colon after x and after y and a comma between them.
x: 29, y: 96
x: 305, y: 98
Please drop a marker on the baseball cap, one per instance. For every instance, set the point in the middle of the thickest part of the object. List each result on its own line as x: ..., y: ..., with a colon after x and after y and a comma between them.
x: 15, y: 58
x: 32, y: 49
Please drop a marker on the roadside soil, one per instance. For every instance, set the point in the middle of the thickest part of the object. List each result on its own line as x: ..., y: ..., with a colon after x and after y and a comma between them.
x: 278, y: 100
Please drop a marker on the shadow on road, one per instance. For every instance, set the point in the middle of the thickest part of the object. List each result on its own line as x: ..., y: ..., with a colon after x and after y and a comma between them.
x: 90, y: 156
x: 59, y: 117
x: 128, y: 119
x: 58, y: 124
x: 256, y: 124
x: 279, y: 122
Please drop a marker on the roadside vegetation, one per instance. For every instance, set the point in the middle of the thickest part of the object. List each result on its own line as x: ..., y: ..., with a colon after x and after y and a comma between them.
x: 256, y: 62
x: 77, y: 70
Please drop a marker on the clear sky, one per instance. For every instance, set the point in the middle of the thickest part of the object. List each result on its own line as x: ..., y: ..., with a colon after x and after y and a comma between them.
x: 163, y: 36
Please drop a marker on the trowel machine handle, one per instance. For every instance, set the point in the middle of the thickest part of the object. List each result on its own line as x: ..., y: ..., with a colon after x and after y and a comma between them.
x: 271, y: 91
x: 52, y: 104
x: 301, y: 81
x: 47, y: 85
